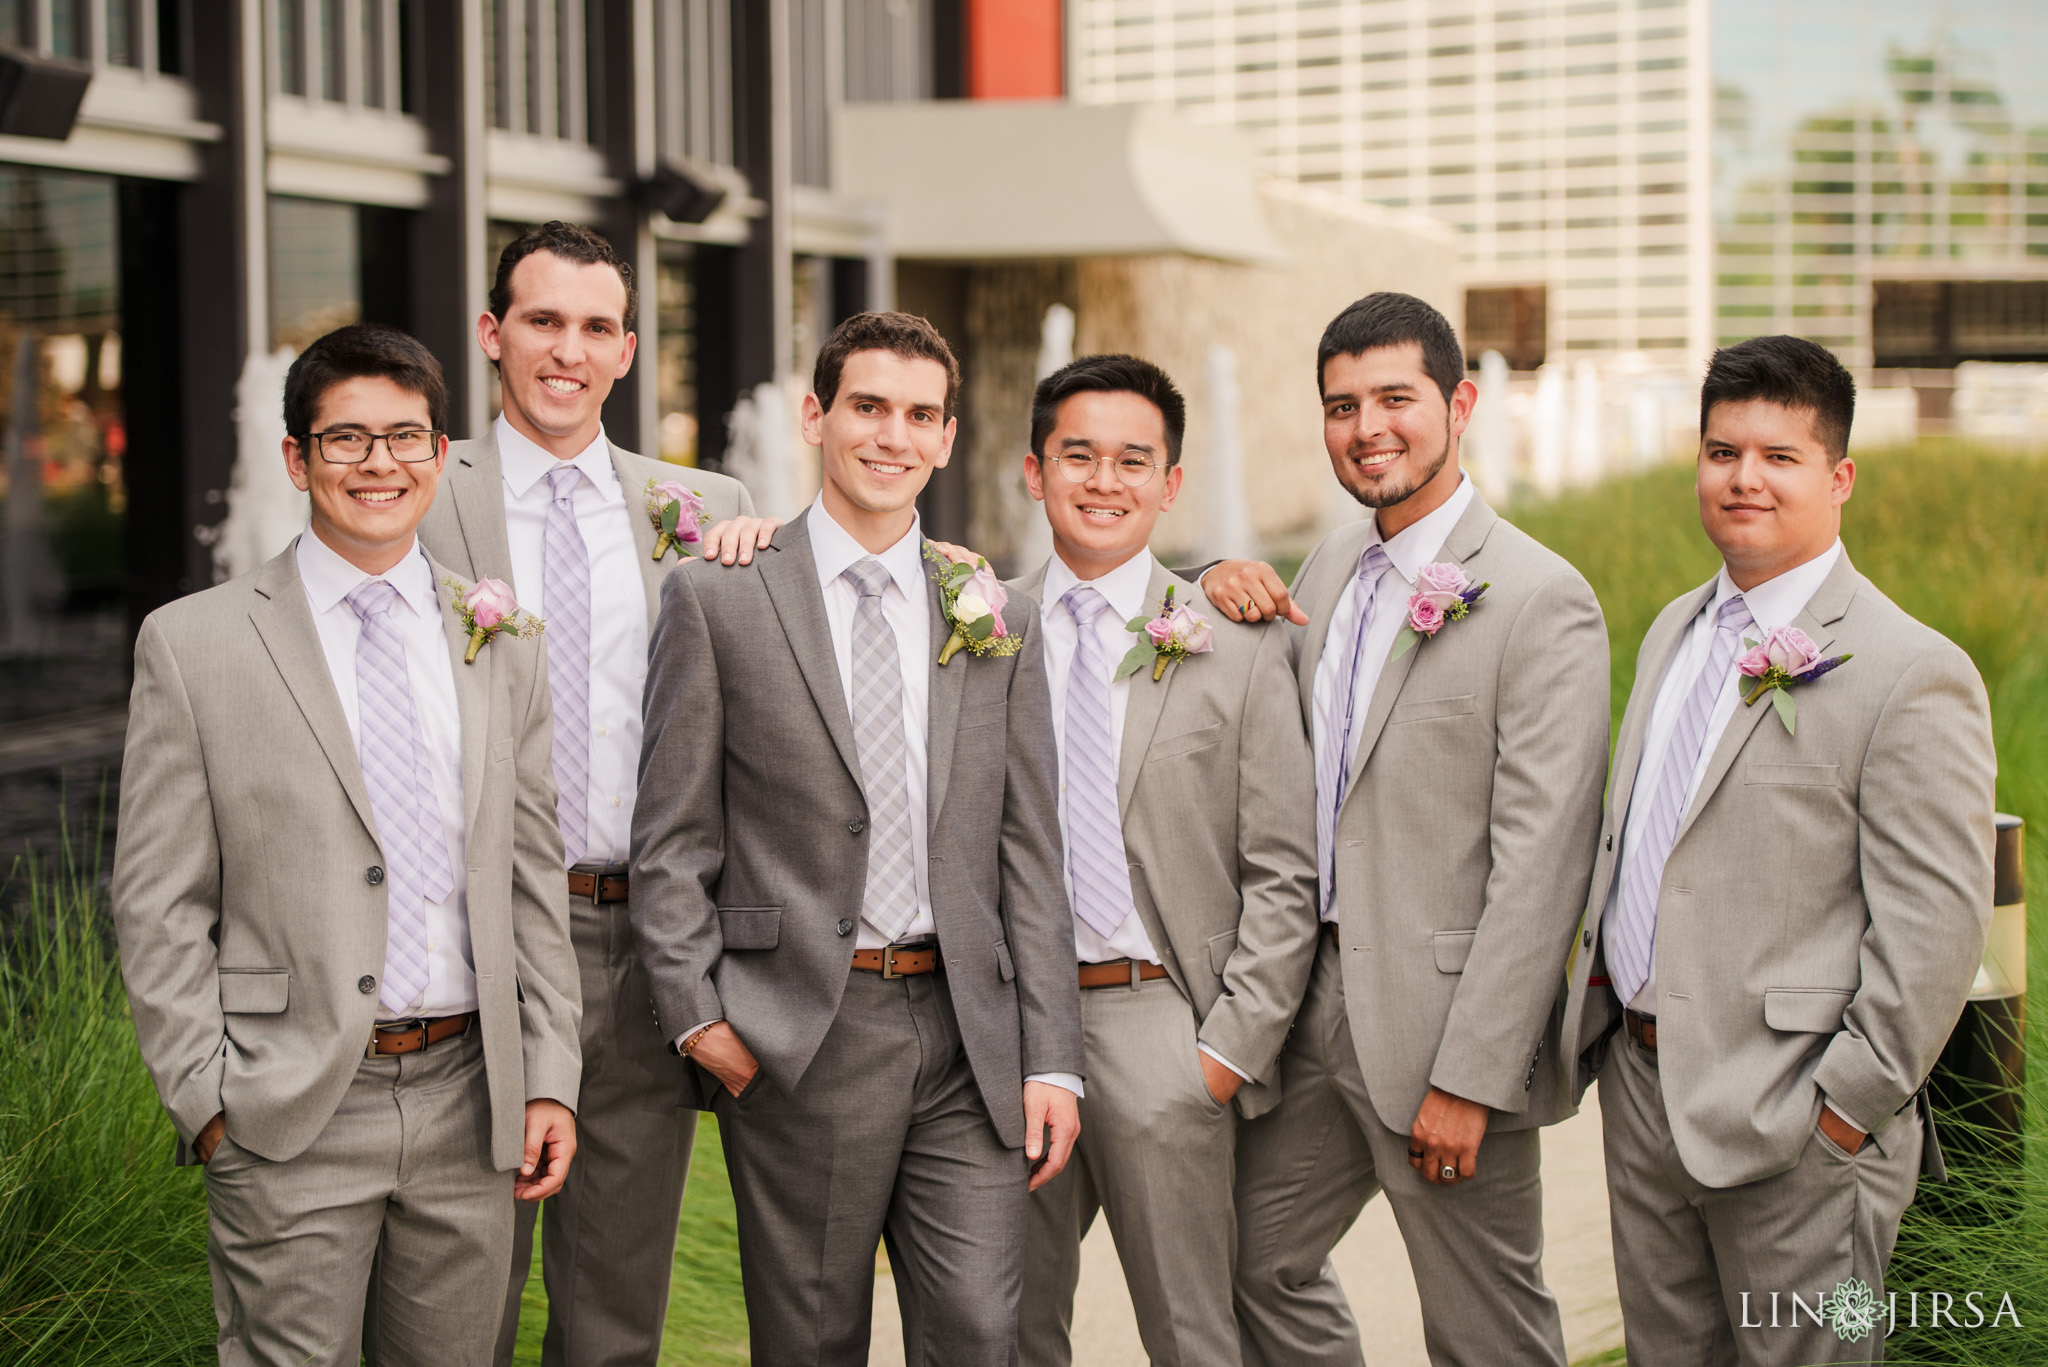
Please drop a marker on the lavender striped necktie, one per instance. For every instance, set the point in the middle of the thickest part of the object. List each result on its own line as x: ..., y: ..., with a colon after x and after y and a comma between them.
x: 1333, y: 773
x: 565, y: 585
x: 1096, y: 862
x: 889, y: 900
x: 1630, y: 944
x: 393, y: 753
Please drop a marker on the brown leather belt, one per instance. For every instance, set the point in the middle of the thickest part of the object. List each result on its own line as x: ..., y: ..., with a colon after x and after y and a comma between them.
x: 408, y: 1037
x: 1120, y: 973
x: 597, y: 887
x: 897, y: 961
x: 1641, y: 1028
x: 1330, y: 929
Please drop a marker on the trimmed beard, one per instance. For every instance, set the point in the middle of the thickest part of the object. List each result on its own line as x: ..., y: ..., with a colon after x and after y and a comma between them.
x: 1387, y: 498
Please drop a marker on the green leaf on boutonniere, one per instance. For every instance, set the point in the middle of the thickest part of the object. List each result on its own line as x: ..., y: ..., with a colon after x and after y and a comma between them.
x: 956, y: 574
x: 1139, y: 656
x: 1137, y: 623
x: 979, y: 628
x: 1405, y: 642
x: 669, y: 516
x: 1781, y: 700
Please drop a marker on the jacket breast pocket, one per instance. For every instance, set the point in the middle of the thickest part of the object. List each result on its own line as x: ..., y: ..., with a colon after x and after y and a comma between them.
x: 1452, y: 948
x: 501, y: 751
x: 1805, y: 1010
x: 750, y: 927
x: 254, y: 991
x: 1434, y: 709
x: 1794, y: 775
x: 1186, y: 742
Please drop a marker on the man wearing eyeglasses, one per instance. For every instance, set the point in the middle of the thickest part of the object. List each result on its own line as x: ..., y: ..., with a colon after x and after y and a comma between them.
x: 546, y: 502
x: 1190, y: 864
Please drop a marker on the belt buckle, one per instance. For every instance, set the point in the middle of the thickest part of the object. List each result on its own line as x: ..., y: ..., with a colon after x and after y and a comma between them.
x: 1135, y: 970
x: 597, y: 889
x: 418, y: 1023
x: 889, y: 963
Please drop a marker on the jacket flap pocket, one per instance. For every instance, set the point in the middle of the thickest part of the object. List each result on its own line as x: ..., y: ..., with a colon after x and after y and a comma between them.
x: 1452, y: 947
x: 254, y: 991
x: 1201, y: 738
x: 1813, y: 1010
x: 501, y: 751
x: 1007, y: 969
x: 750, y: 927
x: 1796, y: 775
x: 1221, y: 947
x: 1429, y: 709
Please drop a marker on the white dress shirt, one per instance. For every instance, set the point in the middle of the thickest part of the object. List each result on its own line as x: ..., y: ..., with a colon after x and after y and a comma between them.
x: 430, y: 673
x: 1773, y: 603
x: 618, y: 616
x: 1408, y: 551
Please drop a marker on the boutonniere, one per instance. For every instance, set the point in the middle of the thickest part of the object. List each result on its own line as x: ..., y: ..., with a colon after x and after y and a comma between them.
x: 972, y: 599
x: 1443, y: 593
x: 1784, y: 657
x: 677, y: 513
x: 1175, y: 634
x: 487, y: 608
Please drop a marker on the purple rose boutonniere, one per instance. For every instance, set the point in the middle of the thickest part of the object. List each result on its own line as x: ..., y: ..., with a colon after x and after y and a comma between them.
x: 677, y: 513
x: 1175, y: 634
x: 1786, y: 656
x: 487, y: 608
x: 972, y: 599
x: 1443, y: 593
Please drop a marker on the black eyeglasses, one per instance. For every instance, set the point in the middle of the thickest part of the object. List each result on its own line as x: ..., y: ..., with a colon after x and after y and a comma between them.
x: 1079, y: 467
x: 408, y: 446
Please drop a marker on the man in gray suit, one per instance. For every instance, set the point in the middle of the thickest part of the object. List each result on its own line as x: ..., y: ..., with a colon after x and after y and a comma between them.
x: 849, y: 895
x: 1791, y: 900
x: 1190, y: 842
x: 1453, y: 675
x: 345, y: 945
x: 545, y: 502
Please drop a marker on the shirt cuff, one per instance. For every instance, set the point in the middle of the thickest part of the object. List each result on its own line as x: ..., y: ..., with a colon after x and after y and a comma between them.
x: 1070, y: 1081
x: 1225, y: 1062
x: 678, y: 1043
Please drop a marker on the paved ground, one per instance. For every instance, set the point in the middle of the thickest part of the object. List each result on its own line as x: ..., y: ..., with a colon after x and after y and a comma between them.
x: 1578, y: 1262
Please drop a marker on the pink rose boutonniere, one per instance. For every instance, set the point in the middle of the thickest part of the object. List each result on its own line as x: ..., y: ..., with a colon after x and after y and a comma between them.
x: 677, y: 512
x: 1443, y: 593
x: 1786, y: 656
x: 972, y: 599
x: 1175, y: 634
x: 487, y: 608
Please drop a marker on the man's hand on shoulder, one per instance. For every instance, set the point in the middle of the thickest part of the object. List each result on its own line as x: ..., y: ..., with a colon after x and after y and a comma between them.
x: 1049, y: 1106
x: 550, y: 1144
x: 1250, y: 591
x: 734, y: 541
x: 959, y: 555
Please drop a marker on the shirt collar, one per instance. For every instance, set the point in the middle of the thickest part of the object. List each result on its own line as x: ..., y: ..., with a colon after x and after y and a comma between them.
x: 1123, y: 586
x: 525, y: 464
x: 1420, y: 543
x: 833, y: 548
x: 1775, y: 602
x: 329, y: 578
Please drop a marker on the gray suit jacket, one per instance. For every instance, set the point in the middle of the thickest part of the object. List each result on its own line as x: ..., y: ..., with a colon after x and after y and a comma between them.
x: 1467, y: 832
x: 465, y: 527
x: 1825, y: 904
x: 750, y: 833
x: 1216, y: 790
x: 246, y: 917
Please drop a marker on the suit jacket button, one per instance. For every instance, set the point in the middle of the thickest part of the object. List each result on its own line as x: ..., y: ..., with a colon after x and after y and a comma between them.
x: 1588, y: 942
x: 373, y: 875
x: 1610, y: 842
x: 845, y: 925
x: 366, y: 984
x: 855, y: 827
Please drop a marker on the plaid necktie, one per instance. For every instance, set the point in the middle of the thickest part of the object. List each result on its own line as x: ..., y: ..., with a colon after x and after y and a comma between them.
x: 1096, y: 861
x: 1332, y: 772
x: 889, y: 903
x: 1629, y: 943
x: 565, y: 579
x: 394, y: 759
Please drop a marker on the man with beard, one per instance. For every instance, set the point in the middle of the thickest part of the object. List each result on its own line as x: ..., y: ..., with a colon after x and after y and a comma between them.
x: 1453, y: 676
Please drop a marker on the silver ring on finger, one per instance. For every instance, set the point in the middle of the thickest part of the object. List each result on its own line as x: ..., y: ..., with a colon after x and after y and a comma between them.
x: 1448, y: 1172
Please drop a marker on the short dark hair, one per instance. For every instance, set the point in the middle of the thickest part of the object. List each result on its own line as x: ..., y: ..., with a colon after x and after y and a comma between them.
x: 352, y: 353
x: 1110, y: 373
x: 571, y: 242
x: 905, y: 334
x: 1389, y: 319
x: 1792, y: 373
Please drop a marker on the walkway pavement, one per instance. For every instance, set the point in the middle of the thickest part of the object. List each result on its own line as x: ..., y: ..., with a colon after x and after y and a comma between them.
x: 1578, y: 1261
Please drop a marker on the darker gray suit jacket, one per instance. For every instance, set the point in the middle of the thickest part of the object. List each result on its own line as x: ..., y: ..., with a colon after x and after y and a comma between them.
x: 750, y: 836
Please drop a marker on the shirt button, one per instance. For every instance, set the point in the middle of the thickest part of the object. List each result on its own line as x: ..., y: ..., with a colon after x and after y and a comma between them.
x: 366, y: 984
x: 604, y: 730
x: 432, y: 946
x: 615, y: 801
x: 373, y: 875
x: 855, y: 827
x: 845, y: 925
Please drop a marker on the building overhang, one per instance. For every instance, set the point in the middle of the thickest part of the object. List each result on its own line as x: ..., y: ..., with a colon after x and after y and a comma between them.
x: 995, y: 179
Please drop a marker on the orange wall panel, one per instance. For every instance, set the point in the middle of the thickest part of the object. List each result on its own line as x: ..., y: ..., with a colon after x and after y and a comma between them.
x: 1013, y: 49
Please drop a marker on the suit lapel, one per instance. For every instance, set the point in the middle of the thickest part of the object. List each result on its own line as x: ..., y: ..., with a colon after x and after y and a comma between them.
x: 1146, y: 702
x: 478, y: 484
x: 1635, y: 725
x: 472, y: 696
x: 1339, y: 563
x: 652, y: 571
x: 945, y: 691
x: 285, y: 622
x: 791, y: 578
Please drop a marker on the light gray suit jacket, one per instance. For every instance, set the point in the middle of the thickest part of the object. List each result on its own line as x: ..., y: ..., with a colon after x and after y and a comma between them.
x: 1467, y: 833
x: 750, y: 835
x: 1216, y: 791
x: 465, y: 527
x: 1824, y: 907
x: 247, y: 917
